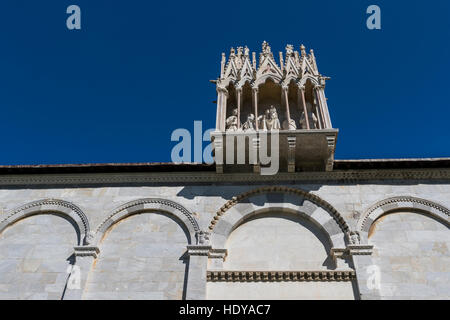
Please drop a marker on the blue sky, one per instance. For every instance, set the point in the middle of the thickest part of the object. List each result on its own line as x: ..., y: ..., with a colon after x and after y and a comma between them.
x: 137, y: 70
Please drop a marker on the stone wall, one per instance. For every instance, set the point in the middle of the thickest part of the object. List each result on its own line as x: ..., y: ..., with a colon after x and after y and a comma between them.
x: 145, y: 254
x: 34, y: 256
x: 412, y: 252
x: 141, y: 258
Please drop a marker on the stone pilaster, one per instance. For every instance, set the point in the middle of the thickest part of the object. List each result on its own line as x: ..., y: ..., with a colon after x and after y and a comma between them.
x: 367, y: 274
x: 218, y: 152
x: 84, y: 258
x: 196, y: 280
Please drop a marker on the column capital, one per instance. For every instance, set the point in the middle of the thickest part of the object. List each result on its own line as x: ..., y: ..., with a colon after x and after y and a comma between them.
x: 221, y: 90
x: 218, y: 253
x: 198, y: 250
x: 86, y: 251
x: 360, y: 249
x: 255, y: 88
x: 319, y: 86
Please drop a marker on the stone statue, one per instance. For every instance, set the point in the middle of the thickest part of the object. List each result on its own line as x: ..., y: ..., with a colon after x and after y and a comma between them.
x: 289, y: 126
x: 250, y: 123
x: 354, y: 237
x: 272, y: 122
x: 262, y: 121
x: 312, y: 119
x: 289, y: 50
x: 202, y: 237
x: 231, y: 124
x: 266, y: 48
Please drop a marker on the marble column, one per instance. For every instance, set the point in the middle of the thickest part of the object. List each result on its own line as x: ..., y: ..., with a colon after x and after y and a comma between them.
x: 286, y: 98
x: 255, y: 104
x: 239, y: 102
x: 221, y: 108
x: 324, y: 106
x: 319, y: 111
x: 305, y: 110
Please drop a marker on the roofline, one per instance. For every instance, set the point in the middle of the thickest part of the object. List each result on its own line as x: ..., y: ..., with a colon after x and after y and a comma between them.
x: 339, y: 165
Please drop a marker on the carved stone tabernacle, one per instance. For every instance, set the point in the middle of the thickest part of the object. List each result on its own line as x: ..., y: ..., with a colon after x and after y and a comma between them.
x: 286, y: 97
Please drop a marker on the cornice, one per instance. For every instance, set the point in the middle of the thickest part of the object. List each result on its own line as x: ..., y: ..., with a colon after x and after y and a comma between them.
x: 279, y: 276
x: 347, y: 176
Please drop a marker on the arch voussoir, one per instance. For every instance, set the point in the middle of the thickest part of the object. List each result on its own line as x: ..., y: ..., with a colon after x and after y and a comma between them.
x: 62, y: 207
x: 149, y: 204
x: 281, y: 199
x: 401, y: 203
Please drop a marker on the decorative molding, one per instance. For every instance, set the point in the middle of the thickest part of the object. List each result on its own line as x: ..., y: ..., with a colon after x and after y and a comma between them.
x: 87, y: 251
x: 198, y: 250
x: 281, y: 189
x: 360, y: 250
x: 398, y: 203
x: 65, y: 208
x: 348, y: 176
x: 279, y: 276
x: 351, y: 250
x: 218, y: 254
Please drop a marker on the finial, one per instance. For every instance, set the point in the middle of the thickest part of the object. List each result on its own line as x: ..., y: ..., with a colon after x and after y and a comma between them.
x: 281, y: 61
x: 222, y: 65
x: 232, y: 51
x: 246, y: 51
x: 313, y: 59
x: 289, y: 50
x: 240, y: 50
x: 265, y: 47
x: 302, y: 49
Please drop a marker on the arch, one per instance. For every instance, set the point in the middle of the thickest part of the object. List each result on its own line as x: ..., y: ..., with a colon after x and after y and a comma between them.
x: 150, y: 204
x: 291, y: 79
x: 62, y: 207
x: 246, y: 80
x: 226, y: 82
x: 261, y: 80
x: 305, y: 78
x: 385, y: 206
x: 283, y: 199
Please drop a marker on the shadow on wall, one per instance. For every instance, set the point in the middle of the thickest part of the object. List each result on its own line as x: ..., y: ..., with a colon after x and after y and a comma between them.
x: 228, y: 191
x: 279, y: 241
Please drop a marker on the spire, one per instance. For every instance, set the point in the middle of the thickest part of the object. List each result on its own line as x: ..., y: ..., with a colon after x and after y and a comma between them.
x: 241, y: 66
x: 302, y: 50
x: 266, y: 48
x: 313, y: 59
x: 281, y: 61
x: 222, y: 65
